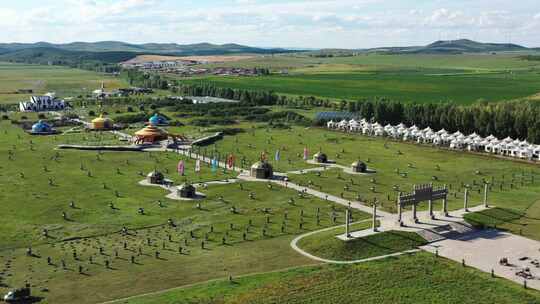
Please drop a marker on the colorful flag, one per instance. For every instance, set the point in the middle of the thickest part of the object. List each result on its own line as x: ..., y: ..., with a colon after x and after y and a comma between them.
x: 214, y: 165
x: 230, y: 161
x: 198, y: 166
x: 278, y: 155
x: 181, y: 167
x: 306, y: 153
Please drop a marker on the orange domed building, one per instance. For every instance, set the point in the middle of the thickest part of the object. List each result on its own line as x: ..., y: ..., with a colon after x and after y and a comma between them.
x: 150, y: 134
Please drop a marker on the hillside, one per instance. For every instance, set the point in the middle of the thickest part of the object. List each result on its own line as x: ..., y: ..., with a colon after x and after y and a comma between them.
x: 154, y: 48
x: 453, y: 47
x: 49, y: 55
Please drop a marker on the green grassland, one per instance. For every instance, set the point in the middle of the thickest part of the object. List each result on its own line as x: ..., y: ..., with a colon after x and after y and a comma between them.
x: 417, y: 278
x: 417, y: 164
x: 327, y: 246
x: 39, y: 182
x: 433, y: 85
x: 42, y: 79
x: 461, y: 79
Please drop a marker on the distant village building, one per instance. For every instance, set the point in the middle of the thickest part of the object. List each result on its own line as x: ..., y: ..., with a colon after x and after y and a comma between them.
x: 100, y: 93
x: 48, y: 102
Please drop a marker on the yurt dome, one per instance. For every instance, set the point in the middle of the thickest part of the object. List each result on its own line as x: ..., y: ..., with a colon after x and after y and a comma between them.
x: 262, y: 170
x: 187, y: 190
x: 41, y: 127
x: 151, y: 134
x: 102, y: 123
x: 359, y: 167
x: 158, y: 120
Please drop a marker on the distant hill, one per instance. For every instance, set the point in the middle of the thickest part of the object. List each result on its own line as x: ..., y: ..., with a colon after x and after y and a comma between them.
x: 153, y: 48
x: 50, y: 55
x: 453, y: 47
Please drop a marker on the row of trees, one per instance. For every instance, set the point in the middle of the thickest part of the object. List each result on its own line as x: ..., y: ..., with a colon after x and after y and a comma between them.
x: 517, y: 119
x: 145, y: 80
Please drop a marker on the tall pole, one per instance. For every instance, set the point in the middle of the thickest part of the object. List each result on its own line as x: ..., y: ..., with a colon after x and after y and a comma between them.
x: 347, y: 223
x: 486, y: 195
x: 415, y: 218
x: 400, y: 214
x: 430, y: 207
x: 466, y: 200
x: 445, y: 203
x: 374, y: 223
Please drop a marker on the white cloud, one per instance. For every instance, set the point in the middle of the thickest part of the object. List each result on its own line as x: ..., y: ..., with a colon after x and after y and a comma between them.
x: 300, y: 23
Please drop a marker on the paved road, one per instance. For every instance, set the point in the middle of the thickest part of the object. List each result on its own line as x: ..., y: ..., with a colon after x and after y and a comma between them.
x: 483, y: 249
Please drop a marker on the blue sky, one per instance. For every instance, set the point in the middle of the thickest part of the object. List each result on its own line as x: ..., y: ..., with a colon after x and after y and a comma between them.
x: 276, y: 23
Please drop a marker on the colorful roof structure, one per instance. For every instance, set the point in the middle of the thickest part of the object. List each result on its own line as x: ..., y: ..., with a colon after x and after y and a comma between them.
x: 158, y: 120
x: 42, y: 127
x: 151, y: 134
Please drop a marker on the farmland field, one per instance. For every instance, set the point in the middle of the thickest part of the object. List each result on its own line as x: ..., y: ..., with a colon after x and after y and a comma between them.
x: 42, y: 79
x: 456, y: 86
x: 462, y: 79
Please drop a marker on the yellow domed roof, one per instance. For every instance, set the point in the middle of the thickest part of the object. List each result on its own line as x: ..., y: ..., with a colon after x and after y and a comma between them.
x: 100, y: 119
x: 151, y: 131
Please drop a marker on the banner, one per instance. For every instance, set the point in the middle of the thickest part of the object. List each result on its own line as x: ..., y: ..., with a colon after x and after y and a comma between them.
x: 181, y: 167
x: 198, y: 166
x: 230, y: 161
x: 214, y: 165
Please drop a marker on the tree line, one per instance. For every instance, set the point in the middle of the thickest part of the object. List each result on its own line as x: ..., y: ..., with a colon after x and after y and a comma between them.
x: 517, y: 119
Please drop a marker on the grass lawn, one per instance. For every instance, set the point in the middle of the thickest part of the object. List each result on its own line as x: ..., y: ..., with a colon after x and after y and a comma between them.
x: 42, y: 79
x: 327, y: 246
x: 39, y: 182
x: 523, y: 222
x: 418, y: 278
x: 416, y: 164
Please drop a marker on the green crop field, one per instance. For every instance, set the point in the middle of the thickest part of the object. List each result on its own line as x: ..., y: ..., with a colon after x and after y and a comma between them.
x: 401, y: 85
x: 462, y: 79
x: 42, y: 79
x: 417, y: 278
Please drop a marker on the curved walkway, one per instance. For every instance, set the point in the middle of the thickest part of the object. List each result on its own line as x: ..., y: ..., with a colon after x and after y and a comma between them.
x: 294, y: 245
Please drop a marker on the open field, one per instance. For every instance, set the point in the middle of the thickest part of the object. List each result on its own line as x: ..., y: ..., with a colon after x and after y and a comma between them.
x: 417, y: 164
x: 461, y: 79
x: 42, y: 79
x: 40, y: 182
x: 473, y: 62
x: 401, y: 85
x: 417, y: 278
